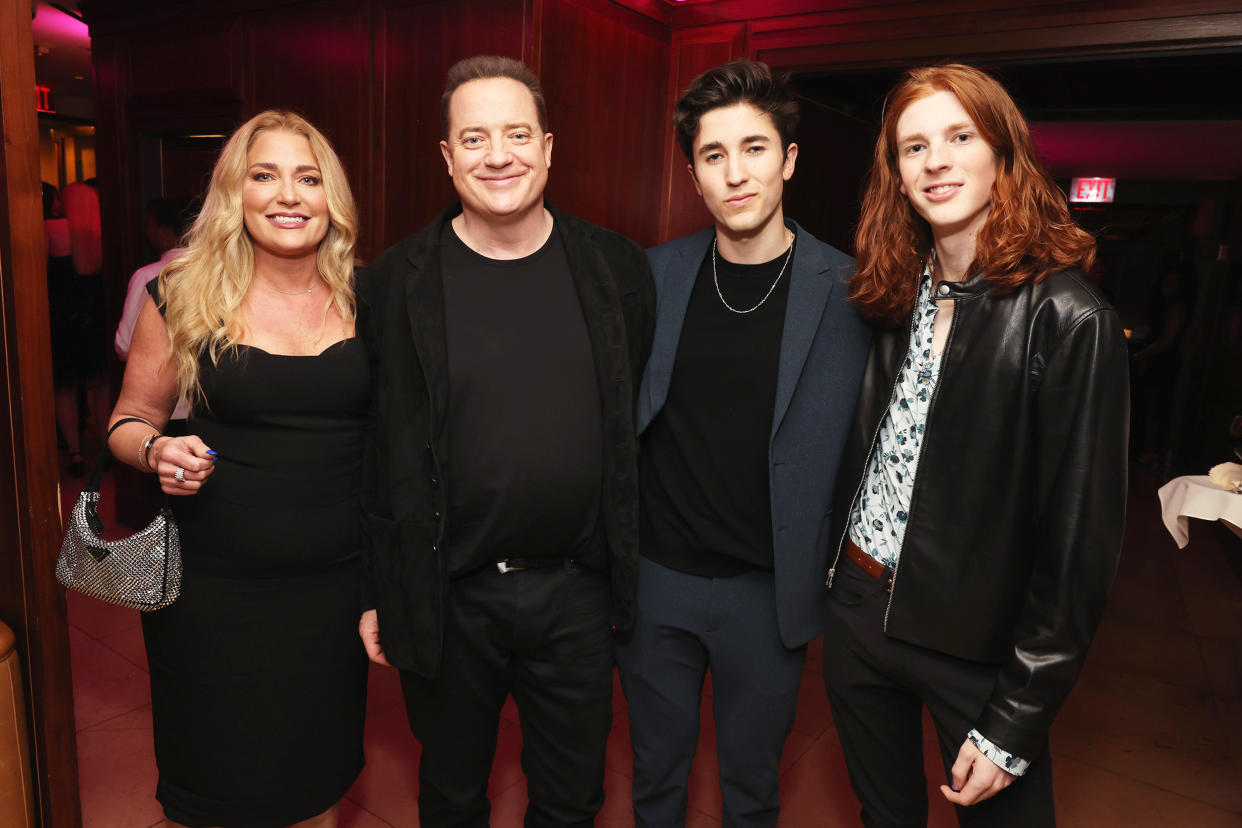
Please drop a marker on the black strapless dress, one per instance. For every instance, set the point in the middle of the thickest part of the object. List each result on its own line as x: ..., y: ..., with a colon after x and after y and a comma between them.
x: 258, y: 678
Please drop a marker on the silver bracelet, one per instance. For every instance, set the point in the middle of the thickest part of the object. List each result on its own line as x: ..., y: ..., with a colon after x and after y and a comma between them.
x: 146, y: 447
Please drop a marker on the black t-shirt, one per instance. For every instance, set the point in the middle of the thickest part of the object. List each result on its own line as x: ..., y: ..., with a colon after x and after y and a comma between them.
x: 524, y: 430
x: 704, y: 461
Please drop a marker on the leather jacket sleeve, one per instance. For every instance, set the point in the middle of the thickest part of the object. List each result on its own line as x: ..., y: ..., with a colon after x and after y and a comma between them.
x: 1081, y: 430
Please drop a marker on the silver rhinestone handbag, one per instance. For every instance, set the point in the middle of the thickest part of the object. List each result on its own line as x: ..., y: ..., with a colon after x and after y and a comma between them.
x: 142, y: 571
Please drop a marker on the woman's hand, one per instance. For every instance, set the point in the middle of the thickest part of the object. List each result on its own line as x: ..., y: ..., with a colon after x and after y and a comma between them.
x: 183, y: 464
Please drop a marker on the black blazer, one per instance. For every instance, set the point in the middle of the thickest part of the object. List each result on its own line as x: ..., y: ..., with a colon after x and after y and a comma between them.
x: 406, y: 467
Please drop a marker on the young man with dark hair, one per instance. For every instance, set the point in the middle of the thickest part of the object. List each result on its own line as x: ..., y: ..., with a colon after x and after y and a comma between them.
x: 500, y: 488
x: 743, y: 413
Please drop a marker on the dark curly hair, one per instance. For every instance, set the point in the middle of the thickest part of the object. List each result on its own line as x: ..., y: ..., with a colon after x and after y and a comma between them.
x: 738, y: 81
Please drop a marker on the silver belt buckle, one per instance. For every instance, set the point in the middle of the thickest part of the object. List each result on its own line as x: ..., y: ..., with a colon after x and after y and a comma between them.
x: 504, y: 568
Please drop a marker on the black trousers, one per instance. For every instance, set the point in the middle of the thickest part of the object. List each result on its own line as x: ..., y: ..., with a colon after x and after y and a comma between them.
x: 877, y: 687
x: 543, y: 635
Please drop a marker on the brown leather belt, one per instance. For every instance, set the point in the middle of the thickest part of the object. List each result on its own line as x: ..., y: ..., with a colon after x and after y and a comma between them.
x: 869, y: 564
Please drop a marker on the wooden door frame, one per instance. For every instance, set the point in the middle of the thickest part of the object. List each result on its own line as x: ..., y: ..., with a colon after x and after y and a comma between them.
x: 31, y: 602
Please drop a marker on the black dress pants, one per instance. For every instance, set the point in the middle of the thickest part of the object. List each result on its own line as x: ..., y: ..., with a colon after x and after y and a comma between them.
x: 877, y: 687
x: 545, y: 636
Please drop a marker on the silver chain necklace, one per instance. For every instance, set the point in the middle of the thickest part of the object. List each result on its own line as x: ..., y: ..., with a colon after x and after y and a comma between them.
x: 290, y: 292
x: 725, y: 302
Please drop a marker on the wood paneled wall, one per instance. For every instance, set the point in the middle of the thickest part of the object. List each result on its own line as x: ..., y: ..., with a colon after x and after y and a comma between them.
x: 694, y: 52
x: 605, y: 71
x: 317, y: 62
x: 369, y: 75
x: 415, y: 46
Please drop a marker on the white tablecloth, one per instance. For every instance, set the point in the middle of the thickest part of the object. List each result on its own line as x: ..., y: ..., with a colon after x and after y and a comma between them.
x: 1196, y: 496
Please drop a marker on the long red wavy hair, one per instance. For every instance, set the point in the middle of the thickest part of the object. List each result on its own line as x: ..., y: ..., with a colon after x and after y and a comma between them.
x: 1027, y: 235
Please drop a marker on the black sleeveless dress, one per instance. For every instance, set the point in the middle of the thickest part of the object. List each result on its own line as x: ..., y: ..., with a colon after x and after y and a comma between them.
x: 258, y: 678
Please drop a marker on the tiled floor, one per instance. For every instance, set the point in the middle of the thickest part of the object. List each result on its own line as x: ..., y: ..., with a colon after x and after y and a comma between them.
x: 1151, y: 736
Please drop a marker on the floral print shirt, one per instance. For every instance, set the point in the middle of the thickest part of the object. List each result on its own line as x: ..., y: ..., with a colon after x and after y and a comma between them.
x: 878, y: 524
x: 881, y: 512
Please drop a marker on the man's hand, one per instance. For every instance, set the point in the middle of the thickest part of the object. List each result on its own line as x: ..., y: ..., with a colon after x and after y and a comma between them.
x: 368, y: 631
x: 975, y: 777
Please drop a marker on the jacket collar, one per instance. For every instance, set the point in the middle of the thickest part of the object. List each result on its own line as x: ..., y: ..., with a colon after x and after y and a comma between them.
x: 421, y: 243
x: 813, y: 277
x: 424, y: 307
x: 974, y: 286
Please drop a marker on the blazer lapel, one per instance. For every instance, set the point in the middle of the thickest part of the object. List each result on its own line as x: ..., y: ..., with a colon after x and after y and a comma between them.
x: 674, y: 284
x: 424, y: 306
x: 810, y: 285
x: 597, y: 296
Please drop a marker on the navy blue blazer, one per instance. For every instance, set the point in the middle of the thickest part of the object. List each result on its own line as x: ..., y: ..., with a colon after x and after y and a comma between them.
x: 823, y: 347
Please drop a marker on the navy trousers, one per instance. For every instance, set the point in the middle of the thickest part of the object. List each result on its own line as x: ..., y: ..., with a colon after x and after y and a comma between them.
x: 685, y: 625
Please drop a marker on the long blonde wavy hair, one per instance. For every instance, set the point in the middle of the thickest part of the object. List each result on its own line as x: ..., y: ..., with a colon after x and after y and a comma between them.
x: 203, y: 289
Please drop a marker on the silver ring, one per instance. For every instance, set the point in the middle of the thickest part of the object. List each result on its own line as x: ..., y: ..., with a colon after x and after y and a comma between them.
x: 179, y: 475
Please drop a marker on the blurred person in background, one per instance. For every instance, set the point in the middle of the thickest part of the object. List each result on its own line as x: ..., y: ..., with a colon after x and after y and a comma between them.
x: 1157, y: 363
x: 75, y: 306
x: 167, y: 221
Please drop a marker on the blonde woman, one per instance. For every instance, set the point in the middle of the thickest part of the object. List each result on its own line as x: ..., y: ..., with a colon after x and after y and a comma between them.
x: 258, y: 679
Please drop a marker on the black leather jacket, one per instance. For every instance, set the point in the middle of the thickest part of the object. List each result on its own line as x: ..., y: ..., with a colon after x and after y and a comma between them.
x: 1018, y: 507
x: 406, y: 468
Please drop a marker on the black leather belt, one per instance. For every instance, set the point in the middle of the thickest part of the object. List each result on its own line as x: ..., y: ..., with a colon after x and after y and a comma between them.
x: 522, y: 564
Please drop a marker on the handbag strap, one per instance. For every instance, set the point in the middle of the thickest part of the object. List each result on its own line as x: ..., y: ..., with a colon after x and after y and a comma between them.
x: 96, y: 479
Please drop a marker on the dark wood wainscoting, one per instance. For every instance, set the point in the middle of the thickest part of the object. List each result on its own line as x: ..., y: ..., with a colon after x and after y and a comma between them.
x: 31, y: 602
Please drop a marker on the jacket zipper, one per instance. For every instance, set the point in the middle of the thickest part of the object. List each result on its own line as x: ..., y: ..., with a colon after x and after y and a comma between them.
x: 931, y: 408
x: 832, y: 571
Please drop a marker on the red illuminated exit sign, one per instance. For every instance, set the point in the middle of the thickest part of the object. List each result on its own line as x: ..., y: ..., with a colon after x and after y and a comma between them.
x: 1092, y: 190
x: 43, y: 99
